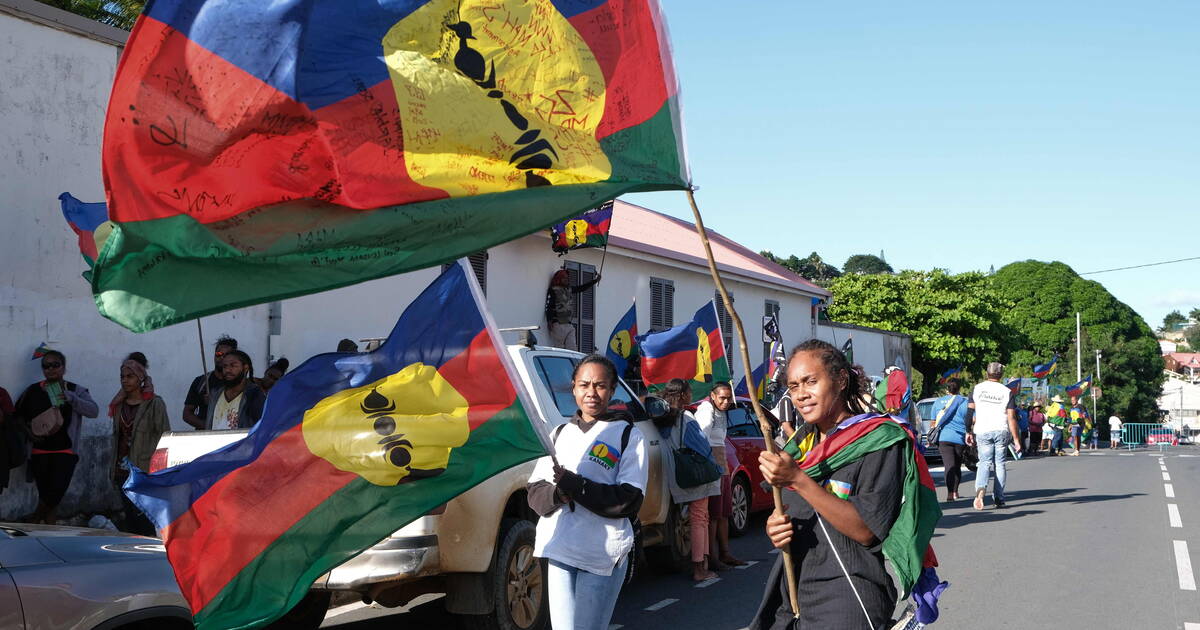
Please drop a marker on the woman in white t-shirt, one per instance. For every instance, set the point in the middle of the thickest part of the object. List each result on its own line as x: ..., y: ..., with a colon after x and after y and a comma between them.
x: 586, y: 496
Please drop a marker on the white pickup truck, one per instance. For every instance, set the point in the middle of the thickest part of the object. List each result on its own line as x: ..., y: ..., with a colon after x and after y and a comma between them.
x: 477, y: 548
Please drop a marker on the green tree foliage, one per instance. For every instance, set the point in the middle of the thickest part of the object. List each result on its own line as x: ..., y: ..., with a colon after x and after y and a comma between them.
x: 811, y: 268
x: 866, y: 263
x: 1192, y: 335
x: 1194, y: 315
x: 119, y: 13
x: 953, y: 319
x: 1173, y: 320
x: 1044, y: 298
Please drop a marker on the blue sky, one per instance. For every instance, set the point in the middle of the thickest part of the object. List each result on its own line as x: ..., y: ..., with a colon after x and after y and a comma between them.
x: 950, y: 134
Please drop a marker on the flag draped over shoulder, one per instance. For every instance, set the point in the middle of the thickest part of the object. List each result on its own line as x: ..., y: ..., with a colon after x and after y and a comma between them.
x: 255, y: 151
x: 622, y: 346
x: 1079, y: 388
x: 350, y: 448
x: 907, y: 544
x: 1042, y: 370
x: 694, y: 352
x: 587, y: 230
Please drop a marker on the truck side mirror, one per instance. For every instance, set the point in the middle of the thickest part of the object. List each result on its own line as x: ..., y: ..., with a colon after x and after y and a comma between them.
x: 656, y: 407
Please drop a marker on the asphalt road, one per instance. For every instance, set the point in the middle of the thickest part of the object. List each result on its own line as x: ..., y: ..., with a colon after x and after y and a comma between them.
x: 1085, y: 542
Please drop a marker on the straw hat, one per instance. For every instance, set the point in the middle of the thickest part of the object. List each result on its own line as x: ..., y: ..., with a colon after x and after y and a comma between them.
x: 1057, y: 399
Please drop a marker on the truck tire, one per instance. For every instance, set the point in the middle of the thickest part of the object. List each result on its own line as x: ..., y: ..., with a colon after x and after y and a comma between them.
x: 306, y: 615
x: 518, y: 580
x: 739, y: 521
x: 674, y: 553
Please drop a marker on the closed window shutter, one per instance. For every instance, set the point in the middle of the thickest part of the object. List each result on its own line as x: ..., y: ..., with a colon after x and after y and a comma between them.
x: 662, y: 304
x: 583, y: 312
x: 478, y: 262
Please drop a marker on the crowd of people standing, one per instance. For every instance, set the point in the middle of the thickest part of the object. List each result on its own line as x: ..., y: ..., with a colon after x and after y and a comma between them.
x: 43, y: 426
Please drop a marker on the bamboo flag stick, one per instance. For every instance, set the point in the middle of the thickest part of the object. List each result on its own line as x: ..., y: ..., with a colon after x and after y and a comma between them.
x: 751, y: 386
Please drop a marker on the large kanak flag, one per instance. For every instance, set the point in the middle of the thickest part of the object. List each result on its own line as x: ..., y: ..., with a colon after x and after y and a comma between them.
x: 351, y: 447
x: 694, y: 352
x: 255, y: 151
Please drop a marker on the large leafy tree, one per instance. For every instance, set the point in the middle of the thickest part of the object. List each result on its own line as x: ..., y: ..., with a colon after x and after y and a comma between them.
x: 118, y: 13
x: 1192, y: 335
x: 1045, y: 298
x: 953, y: 319
x: 811, y: 268
x: 1194, y: 315
x: 1172, y: 320
x: 866, y: 263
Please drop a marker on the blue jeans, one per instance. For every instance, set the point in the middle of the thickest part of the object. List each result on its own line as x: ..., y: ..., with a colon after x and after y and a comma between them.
x: 1056, y: 441
x: 580, y: 600
x: 993, y: 452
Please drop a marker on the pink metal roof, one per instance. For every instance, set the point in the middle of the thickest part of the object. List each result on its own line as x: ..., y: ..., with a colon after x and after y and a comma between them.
x: 644, y: 230
x: 1187, y: 359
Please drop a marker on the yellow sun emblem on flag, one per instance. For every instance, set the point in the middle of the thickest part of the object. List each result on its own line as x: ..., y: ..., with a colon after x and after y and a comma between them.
x: 621, y: 344
x: 577, y: 232
x: 704, y: 365
x: 399, y: 428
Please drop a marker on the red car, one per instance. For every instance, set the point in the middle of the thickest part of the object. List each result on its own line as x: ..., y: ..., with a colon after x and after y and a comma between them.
x: 743, y: 443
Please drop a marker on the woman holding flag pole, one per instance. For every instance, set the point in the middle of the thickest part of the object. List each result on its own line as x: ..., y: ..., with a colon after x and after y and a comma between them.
x: 856, y: 470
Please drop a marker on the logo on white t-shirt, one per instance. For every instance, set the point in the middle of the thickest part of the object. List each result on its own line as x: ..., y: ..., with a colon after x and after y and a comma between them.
x: 604, y: 454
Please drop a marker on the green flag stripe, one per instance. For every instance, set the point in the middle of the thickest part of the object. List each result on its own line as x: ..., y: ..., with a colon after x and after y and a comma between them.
x: 357, y: 517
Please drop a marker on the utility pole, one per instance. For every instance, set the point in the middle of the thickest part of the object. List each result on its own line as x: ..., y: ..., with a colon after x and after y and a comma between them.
x: 1078, y: 351
x: 1095, y: 418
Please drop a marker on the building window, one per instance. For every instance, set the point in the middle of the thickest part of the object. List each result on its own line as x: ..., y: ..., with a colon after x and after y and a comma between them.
x: 726, y: 321
x: 662, y: 304
x: 770, y: 309
x: 478, y: 262
x: 584, y: 308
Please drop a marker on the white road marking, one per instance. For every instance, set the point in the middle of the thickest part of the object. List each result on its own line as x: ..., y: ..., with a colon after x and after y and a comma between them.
x: 1173, y: 515
x: 1197, y: 625
x: 1170, y: 490
x: 749, y: 563
x: 661, y: 605
x: 1183, y: 565
x: 1187, y: 625
x: 707, y: 583
x: 1166, y: 476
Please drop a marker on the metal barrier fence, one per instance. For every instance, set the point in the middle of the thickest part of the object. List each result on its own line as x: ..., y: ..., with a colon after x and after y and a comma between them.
x: 1134, y: 434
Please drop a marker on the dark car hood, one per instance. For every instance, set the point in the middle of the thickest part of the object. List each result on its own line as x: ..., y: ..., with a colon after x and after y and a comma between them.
x: 81, y: 544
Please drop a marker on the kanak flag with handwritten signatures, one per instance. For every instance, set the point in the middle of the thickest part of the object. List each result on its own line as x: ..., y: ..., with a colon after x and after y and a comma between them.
x: 255, y: 151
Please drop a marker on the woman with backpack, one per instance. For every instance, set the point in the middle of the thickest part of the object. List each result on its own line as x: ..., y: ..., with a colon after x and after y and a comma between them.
x: 586, y: 495
x: 679, y: 430
x: 950, y: 436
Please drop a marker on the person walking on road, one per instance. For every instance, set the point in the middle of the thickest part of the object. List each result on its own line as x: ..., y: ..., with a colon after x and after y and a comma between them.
x: 992, y: 424
x: 586, y: 500
x: 1056, y: 419
x: 1078, y: 417
x: 850, y: 511
x: 680, y: 429
x: 1114, y: 431
x: 1037, y: 420
x: 713, y: 422
x: 951, y: 434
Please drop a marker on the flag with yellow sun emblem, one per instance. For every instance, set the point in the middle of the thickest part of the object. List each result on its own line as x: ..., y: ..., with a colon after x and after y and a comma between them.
x: 351, y: 447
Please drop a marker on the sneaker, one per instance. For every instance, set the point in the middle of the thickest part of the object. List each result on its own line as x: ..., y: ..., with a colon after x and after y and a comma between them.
x: 999, y: 504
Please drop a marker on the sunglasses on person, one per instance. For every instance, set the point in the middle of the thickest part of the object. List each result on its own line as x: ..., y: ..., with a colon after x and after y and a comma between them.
x: 53, y: 365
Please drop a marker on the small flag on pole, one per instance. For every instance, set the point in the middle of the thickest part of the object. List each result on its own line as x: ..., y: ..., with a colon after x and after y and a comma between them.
x: 848, y: 350
x: 694, y: 352
x: 1042, y: 370
x: 949, y: 374
x: 622, y: 346
x: 1078, y: 388
x: 588, y: 230
x: 40, y: 351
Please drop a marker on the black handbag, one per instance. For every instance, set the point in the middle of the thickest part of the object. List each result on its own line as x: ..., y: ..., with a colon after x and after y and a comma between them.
x: 691, y: 468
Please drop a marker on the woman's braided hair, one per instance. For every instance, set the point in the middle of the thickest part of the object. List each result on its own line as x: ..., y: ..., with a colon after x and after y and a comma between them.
x: 836, y: 365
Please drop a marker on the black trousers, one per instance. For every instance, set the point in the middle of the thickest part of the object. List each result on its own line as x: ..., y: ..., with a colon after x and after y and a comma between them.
x: 953, y: 456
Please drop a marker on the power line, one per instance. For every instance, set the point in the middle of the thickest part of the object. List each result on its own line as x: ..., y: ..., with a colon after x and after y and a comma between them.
x: 1165, y: 262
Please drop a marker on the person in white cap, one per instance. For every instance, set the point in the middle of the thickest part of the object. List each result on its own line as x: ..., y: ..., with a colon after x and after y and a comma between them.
x: 992, y: 424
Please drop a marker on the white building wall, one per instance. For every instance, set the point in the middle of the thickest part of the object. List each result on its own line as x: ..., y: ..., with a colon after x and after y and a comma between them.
x: 1181, y: 402
x: 874, y: 349
x: 52, y: 103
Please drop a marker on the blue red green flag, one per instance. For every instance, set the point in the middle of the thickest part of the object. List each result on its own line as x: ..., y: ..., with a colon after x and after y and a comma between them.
x: 907, y: 545
x: 587, y: 230
x: 1042, y: 370
x: 350, y: 448
x: 1014, y: 386
x: 694, y: 352
x: 622, y: 346
x: 40, y: 351
x: 949, y: 374
x: 90, y: 223
x: 255, y: 151
x: 1079, y: 388
x: 762, y: 374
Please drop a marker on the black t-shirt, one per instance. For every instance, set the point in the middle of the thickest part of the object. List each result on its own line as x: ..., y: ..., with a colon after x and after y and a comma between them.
x: 875, y: 487
x: 197, y: 395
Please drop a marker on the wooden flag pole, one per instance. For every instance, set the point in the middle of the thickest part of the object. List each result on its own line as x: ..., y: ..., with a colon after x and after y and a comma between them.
x: 776, y: 493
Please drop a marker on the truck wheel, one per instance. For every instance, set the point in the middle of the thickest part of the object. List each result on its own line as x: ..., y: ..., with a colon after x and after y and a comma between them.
x: 740, y: 521
x: 519, y: 581
x: 309, y: 613
x: 674, y: 554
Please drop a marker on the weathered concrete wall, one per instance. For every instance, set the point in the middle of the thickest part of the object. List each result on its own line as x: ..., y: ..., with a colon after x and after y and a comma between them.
x: 54, y: 86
